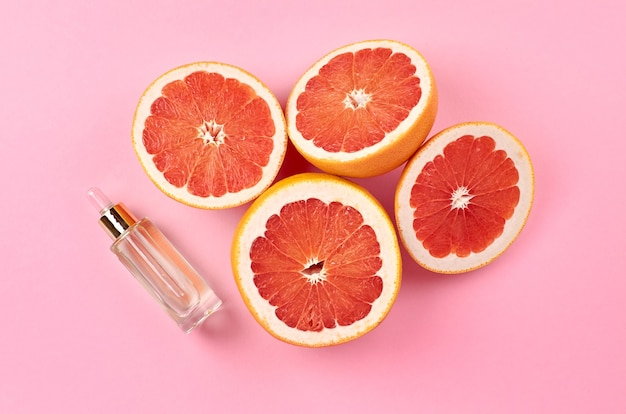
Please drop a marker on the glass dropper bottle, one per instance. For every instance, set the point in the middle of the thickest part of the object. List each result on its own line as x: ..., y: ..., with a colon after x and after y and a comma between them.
x: 156, y: 264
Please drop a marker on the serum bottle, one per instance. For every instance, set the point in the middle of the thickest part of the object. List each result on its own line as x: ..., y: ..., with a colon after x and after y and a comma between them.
x: 156, y: 264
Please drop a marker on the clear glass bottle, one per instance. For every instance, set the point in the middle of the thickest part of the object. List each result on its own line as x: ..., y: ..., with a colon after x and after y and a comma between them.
x: 156, y: 264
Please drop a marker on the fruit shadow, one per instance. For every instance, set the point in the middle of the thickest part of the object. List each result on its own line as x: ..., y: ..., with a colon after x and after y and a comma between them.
x: 383, y: 188
x: 294, y: 163
x: 222, y: 324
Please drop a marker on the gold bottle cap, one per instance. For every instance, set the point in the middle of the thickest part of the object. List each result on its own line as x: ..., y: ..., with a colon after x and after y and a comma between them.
x: 114, y: 218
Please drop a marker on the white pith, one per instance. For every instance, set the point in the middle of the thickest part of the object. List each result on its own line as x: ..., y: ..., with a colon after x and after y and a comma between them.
x: 212, y: 132
x: 326, y: 191
x: 426, y: 84
x: 404, y: 213
x: 357, y: 98
x: 315, y: 276
x: 460, y: 198
x: 229, y: 199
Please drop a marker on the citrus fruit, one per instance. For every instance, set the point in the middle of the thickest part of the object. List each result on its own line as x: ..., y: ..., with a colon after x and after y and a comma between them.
x: 363, y: 109
x: 464, y: 197
x: 210, y: 135
x: 316, y: 260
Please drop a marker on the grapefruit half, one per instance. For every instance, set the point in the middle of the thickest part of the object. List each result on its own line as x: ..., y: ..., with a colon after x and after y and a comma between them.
x: 363, y: 109
x: 210, y: 135
x: 316, y: 260
x: 464, y: 197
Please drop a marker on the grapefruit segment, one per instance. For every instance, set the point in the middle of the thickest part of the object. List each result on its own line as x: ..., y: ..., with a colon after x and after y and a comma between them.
x: 209, y: 135
x: 316, y: 260
x: 363, y: 109
x: 464, y: 197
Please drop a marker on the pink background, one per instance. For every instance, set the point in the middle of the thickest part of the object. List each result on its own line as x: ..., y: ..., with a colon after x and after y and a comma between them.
x: 540, y: 330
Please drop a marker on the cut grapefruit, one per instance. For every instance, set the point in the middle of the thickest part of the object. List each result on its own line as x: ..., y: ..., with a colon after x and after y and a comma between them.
x: 464, y: 197
x: 316, y: 260
x: 210, y: 135
x: 363, y: 109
